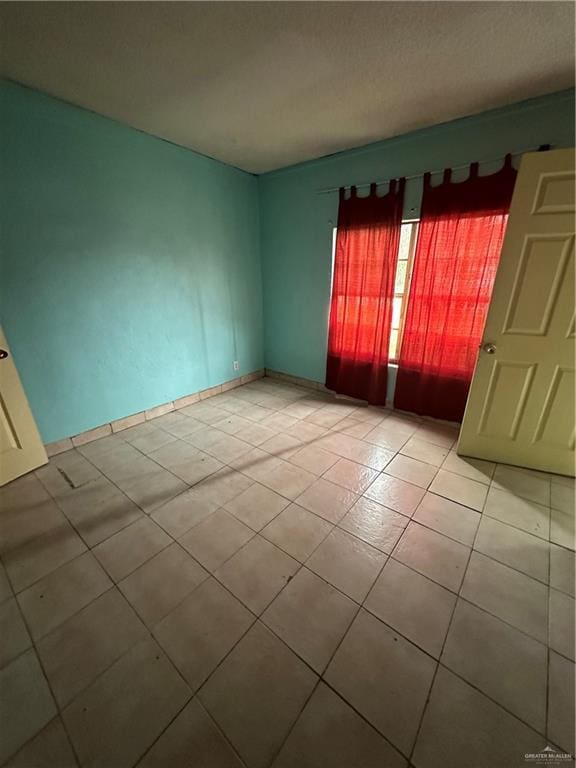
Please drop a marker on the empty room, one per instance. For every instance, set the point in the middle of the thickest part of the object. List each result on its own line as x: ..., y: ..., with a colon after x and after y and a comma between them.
x: 287, y: 384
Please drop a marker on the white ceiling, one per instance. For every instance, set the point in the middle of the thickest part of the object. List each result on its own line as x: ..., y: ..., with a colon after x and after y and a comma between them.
x: 263, y: 85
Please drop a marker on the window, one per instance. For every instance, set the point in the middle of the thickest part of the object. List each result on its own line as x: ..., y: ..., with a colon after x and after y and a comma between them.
x: 406, y: 249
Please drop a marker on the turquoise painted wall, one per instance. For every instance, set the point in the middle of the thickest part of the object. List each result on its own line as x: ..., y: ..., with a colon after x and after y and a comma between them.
x: 130, y: 267
x: 297, y: 223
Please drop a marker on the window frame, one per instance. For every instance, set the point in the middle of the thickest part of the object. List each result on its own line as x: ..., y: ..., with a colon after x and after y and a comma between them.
x: 415, y: 222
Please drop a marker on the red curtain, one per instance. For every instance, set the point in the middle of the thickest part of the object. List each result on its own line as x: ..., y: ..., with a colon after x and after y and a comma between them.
x: 459, y: 241
x: 363, y: 287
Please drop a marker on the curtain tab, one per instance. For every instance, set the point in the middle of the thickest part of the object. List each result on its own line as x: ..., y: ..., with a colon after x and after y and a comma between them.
x: 508, y: 161
x: 473, y: 170
x: 353, y: 191
x: 373, y: 190
x: 447, y: 176
x: 427, y: 179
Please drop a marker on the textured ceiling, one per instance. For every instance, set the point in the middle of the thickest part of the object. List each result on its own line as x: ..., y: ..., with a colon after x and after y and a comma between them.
x: 267, y: 84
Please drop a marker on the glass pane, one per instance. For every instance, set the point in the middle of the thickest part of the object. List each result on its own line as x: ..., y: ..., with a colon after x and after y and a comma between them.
x: 404, y: 247
x: 396, y: 309
x: 400, y: 277
x: 393, y: 344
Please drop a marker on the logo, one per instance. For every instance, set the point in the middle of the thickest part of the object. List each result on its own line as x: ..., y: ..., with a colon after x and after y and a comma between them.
x: 548, y: 756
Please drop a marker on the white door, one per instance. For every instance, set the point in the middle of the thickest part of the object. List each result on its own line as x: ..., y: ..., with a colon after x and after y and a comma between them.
x: 520, y: 407
x: 21, y: 448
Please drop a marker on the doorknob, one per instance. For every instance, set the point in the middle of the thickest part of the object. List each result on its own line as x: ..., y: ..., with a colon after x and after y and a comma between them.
x: 3, y: 354
x: 489, y: 348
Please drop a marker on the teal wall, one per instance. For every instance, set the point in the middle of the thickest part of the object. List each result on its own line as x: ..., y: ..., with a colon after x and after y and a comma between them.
x: 130, y: 267
x: 297, y: 223
x: 133, y: 271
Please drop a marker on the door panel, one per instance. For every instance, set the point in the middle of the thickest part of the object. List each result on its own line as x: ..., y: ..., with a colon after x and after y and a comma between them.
x: 21, y: 448
x: 520, y: 408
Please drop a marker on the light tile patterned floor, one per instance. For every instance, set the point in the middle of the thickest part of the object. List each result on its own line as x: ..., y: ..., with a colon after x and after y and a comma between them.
x: 280, y: 578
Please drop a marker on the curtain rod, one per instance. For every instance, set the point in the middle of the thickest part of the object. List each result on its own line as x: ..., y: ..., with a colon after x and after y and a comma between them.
x: 540, y: 148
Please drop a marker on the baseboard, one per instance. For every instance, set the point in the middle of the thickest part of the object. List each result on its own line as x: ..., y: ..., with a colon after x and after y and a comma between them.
x: 66, y: 443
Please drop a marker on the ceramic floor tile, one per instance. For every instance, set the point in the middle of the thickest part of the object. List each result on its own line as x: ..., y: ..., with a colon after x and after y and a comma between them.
x: 183, y: 513
x: 297, y: 531
x: 412, y: 470
x: 460, y: 489
x: 229, y: 448
x: 42, y: 555
x: 514, y: 547
x: 373, y: 456
x: 256, y: 434
x: 562, y: 528
x: 161, y: 583
x: 20, y: 524
x: 282, y: 446
x: 256, y: 464
x: 413, y: 605
x: 65, y: 472
x: 384, y: 677
x: 234, y: 423
x: 522, y: 484
x: 353, y: 427
x: 311, y: 617
x: 327, y: 500
x: 395, y: 494
x: 377, y: 525
x: 181, y: 425
x: 521, y: 513
x: 152, y: 441
x: 13, y: 633
x: 127, y: 550
x: 561, y: 623
x: 561, y: 714
x: 389, y: 437
x: 562, y: 497
x: 154, y: 490
x: 61, y: 594
x: 508, y: 594
x: 562, y: 572
x: 216, y: 539
x: 348, y: 563
x: 48, y: 749
x: 5, y: 588
x: 424, y: 451
x: 313, y: 459
x: 355, y: 477
x: 119, y: 716
x: 288, y: 481
x: 174, y: 453
x: 199, y: 633
x: 257, y: 506
x: 192, y: 739
x: 439, y: 434
x: 257, y: 573
x: 24, y: 690
x: 474, y: 469
x: 459, y: 720
x: 75, y: 653
x: 257, y: 693
x: 430, y: 553
x: 505, y: 664
x: 98, y: 510
x: 329, y: 734
x: 223, y: 486
x: 449, y: 518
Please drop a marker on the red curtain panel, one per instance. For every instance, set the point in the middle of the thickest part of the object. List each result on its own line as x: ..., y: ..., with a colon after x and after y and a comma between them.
x: 459, y: 241
x: 363, y: 287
